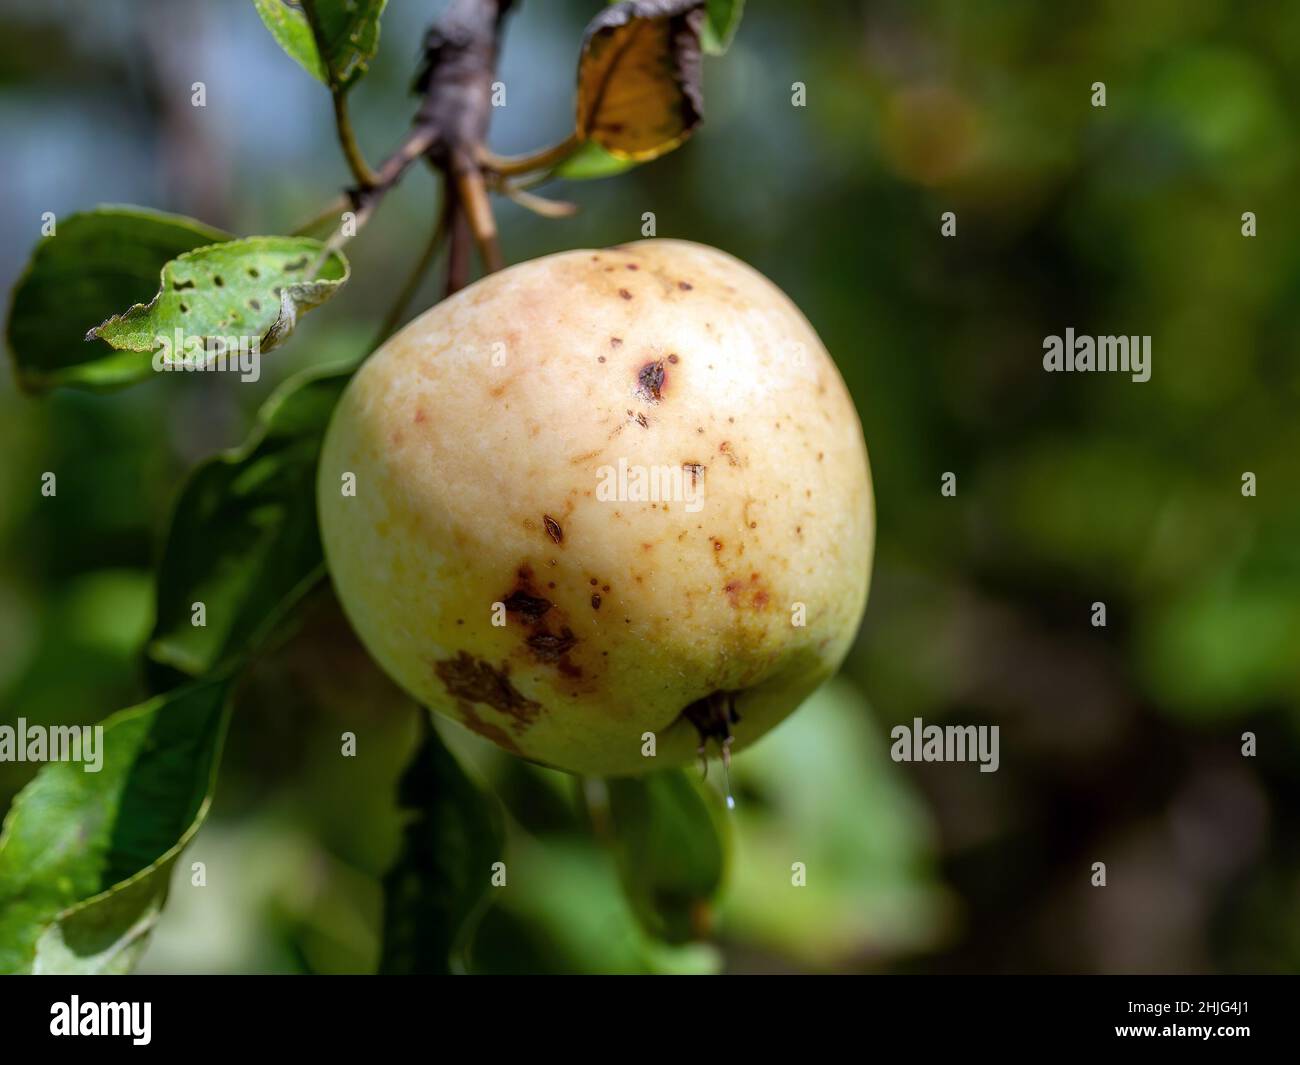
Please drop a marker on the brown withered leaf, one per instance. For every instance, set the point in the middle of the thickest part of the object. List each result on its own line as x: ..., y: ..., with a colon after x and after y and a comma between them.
x: 639, y: 91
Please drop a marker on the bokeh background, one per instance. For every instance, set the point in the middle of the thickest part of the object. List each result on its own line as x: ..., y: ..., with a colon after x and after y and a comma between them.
x: 1120, y: 744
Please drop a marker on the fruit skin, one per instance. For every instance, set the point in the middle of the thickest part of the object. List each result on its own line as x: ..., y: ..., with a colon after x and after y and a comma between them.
x: 478, y: 483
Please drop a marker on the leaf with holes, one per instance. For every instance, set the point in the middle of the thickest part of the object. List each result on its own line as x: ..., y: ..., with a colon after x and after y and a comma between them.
x: 338, y: 49
x: 228, y: 297
x: 96, y: 263
x: 86, y: 857
x: 243, y: 539
x: 639, y: 91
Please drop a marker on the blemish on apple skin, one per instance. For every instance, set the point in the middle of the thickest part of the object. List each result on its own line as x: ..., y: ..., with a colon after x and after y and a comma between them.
x: 420, y: 415
x: 673, y: 359
x: 625, y: 293
x: 524, y: 600
x: 469, y: 717
x: 553, y: 529
x: 551, y: 647
x: 650, y: 381
x: 615, y: 342
x: 641, y: 421
x: 685, y: 286
x: 476, y: 681
x: 758, y: 595
x: 595, y: 600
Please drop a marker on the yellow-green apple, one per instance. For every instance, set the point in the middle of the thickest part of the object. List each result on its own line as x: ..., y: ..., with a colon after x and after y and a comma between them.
x: 604, y: 507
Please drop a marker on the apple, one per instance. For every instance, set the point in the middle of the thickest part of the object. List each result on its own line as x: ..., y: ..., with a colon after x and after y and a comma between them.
x: 606, y: 508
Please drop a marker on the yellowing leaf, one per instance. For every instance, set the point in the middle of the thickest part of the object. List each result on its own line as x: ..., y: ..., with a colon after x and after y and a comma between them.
x: 639, y: 92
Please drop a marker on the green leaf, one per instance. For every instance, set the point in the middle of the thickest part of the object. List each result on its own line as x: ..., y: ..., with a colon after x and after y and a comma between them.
x: 245, y: 291
x: 721, y: 20
x: 671, y: 842
x: 592, y: 161
x: 639, y: 77
x: 438, y: 888
x: 348, y: 32
x: 243, y: 539
x: 825, y: 792
x: 86, y: 857
x: 96, y: 263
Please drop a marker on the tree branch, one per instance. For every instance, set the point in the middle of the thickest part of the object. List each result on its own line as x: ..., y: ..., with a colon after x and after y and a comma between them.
x: 395, y: 314
x: 478, y: 211
x: 513, y: 165
x: 361, y: 172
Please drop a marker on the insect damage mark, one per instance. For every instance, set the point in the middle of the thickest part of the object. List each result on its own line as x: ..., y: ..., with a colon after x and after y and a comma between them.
x: 553, y: 529
x: 524, y: 600
x: 549, y: 647
x: 472, y: 679
x: 650, y: 381
x: 529, y: 607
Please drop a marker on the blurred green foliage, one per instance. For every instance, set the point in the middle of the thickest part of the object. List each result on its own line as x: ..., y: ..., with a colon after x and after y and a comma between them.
x: 1119, y: 744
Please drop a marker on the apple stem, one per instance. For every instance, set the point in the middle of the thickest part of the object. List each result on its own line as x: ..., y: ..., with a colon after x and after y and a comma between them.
x: 449, y: 132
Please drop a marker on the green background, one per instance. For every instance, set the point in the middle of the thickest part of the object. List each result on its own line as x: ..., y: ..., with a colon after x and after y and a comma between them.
x: 1119, y: 744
